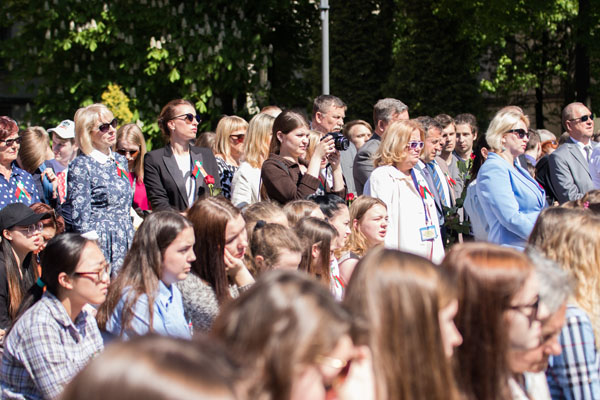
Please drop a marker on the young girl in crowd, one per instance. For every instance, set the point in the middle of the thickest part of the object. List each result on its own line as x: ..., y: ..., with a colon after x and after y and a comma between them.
x: 144, y: 298
x: 318, y: 238
x: 199, y: 371
x: 219, y: 272
x: 293, y: 341
x: 274, y: 246
x: 266, y: 211
x: 407, y: 305
x: 497, y: 310
x: 571, y: 237
x: 21, y: 237
x: 55, y: 337
x: 35, y: 147
x: 369, y: 220
x: 298, y: 209
x: 229, y: 149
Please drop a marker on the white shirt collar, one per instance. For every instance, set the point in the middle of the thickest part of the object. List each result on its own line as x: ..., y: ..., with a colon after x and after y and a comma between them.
x: 101, y: 157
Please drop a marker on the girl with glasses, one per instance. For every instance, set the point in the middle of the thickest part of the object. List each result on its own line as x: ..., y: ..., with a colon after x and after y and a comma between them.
x: 98, y: 189
x: 413, y: 222
x: 176, y: 175
x: 56, y: 334
x: 229, y: 149
x: 144, y: 297
x: 16, y: 184
x: 132, y: 145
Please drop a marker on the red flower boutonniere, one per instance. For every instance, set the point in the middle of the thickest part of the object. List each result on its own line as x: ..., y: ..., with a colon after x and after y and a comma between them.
x: 472, y: 156
x: 210, y: 182
x: 349, y: 199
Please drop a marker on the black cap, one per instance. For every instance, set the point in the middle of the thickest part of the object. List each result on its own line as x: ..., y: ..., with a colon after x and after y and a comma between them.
x: 18, y: 214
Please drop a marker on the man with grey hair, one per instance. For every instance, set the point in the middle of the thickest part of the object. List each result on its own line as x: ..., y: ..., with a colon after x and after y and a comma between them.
x: 385, y: 112
x: 528, y: 365
x: 569, y: 164
x: 328, y: 116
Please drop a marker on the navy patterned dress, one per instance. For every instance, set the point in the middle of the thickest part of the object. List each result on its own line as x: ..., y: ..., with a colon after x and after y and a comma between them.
x: 226, y: 172
x: 101, y: 200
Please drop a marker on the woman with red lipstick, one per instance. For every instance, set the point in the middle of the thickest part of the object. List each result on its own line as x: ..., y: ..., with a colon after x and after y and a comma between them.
x: 510, y: 198
x: 219, y: 272
x: 56, y: 335
x: 98, y: 189
x: 286, y: 176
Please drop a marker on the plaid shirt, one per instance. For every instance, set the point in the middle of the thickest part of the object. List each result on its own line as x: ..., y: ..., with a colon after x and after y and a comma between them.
x: 574, y: 374
x: 45, y: 350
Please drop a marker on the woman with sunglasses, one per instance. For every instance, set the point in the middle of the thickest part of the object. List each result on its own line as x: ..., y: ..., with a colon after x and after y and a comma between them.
x: 55, y: 334
x: 132, y: 145
x: 177, y: 175
x: 509, y: 196
x: 229, y: 149
x: 98, y: 190
x: 412, y: 217
x: 16, y: 184
x: 21, y: 230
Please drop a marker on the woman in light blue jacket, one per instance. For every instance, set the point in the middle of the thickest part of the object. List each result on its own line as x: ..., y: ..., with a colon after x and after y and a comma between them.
x: 510, y: 198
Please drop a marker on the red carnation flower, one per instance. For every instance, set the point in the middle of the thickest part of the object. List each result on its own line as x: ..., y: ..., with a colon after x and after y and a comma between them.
x: 350, y: 197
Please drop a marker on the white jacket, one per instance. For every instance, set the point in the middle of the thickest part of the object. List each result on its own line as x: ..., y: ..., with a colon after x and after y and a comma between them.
x: 245, y: 185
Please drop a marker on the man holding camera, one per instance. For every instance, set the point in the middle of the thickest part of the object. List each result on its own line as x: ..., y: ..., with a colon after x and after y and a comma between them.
x: 328, y: 116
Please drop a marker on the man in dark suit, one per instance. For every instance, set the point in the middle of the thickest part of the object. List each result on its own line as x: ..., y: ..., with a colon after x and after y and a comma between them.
x: 385, y: 112
x: 168, y: 188
x: 568, y: 165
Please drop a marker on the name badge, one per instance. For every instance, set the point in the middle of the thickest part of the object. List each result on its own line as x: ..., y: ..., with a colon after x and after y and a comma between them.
x: 428, y: 233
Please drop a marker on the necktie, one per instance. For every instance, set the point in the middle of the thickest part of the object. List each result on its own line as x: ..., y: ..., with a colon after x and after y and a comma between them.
x: 437, y: 182
x: 588, y: 151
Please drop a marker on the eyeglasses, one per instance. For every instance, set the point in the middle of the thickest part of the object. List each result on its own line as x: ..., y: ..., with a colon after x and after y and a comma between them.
x: 521, y: 133
x: 98, y: 276
x: 583, y: 118
x: 533, y: 315
x: 238, y: 138
x: 31, y: 229
x: 189, y: 117
x: 10, y: 142
x: 105, y: 127
x: 125, y: 152
x: 415, y: 145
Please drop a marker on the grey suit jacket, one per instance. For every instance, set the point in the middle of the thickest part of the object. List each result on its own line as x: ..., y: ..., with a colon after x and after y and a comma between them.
x: 363, y: 162
x: 347, y: 162
x: 569, y: 172
x: 445, y: 170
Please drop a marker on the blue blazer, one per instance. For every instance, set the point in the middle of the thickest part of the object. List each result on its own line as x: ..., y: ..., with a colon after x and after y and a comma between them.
x: 511, y: 201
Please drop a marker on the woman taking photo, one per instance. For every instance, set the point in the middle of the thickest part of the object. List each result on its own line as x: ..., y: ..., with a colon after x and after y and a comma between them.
x: 408, y: 306
x: 413, y: 222
x: 229, y: 149
x: 144, y: 298
x: 285, y: 174
x: 245, y: 187
x: 293, y: 341
x: 510, y: 198
x: 369, y: 220
x: 175, y: 176
x: 219, y: 273
x: 21, y: 237
x: 56, y: 336
x: 132, y: 146
x: 16, y: 185
x: 98, y: 185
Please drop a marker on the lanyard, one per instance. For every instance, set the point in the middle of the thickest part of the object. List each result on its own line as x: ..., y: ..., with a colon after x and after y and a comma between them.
x: 422, y: 196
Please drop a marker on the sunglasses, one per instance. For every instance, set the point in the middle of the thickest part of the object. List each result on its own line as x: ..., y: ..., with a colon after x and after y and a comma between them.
x: 584, y: 118
x: 10, y: 142
x: 125, y: 152
x: 189, y: 117
x: 415, y: 145
x: 522, y: 133
x: 106, y: 127
x: 238, y: 138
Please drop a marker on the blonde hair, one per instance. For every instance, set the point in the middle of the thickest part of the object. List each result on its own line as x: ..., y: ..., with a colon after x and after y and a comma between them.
x: 314, y: 137
x: 298, y: 209
x: 86, y: 121
x: 392, y: 149
x: 258, y: 139
x: 133, y: 134
x: 34, y: 144
x: 571, y: 237
x: 503, y: 121
x: 357, y: 242
x: 226, y: 126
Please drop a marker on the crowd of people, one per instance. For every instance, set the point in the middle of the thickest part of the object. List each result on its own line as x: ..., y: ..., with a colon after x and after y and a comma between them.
x: 285, y: 259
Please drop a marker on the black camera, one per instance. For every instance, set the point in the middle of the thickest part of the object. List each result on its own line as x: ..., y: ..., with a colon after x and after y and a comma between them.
x: 339, y: 140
